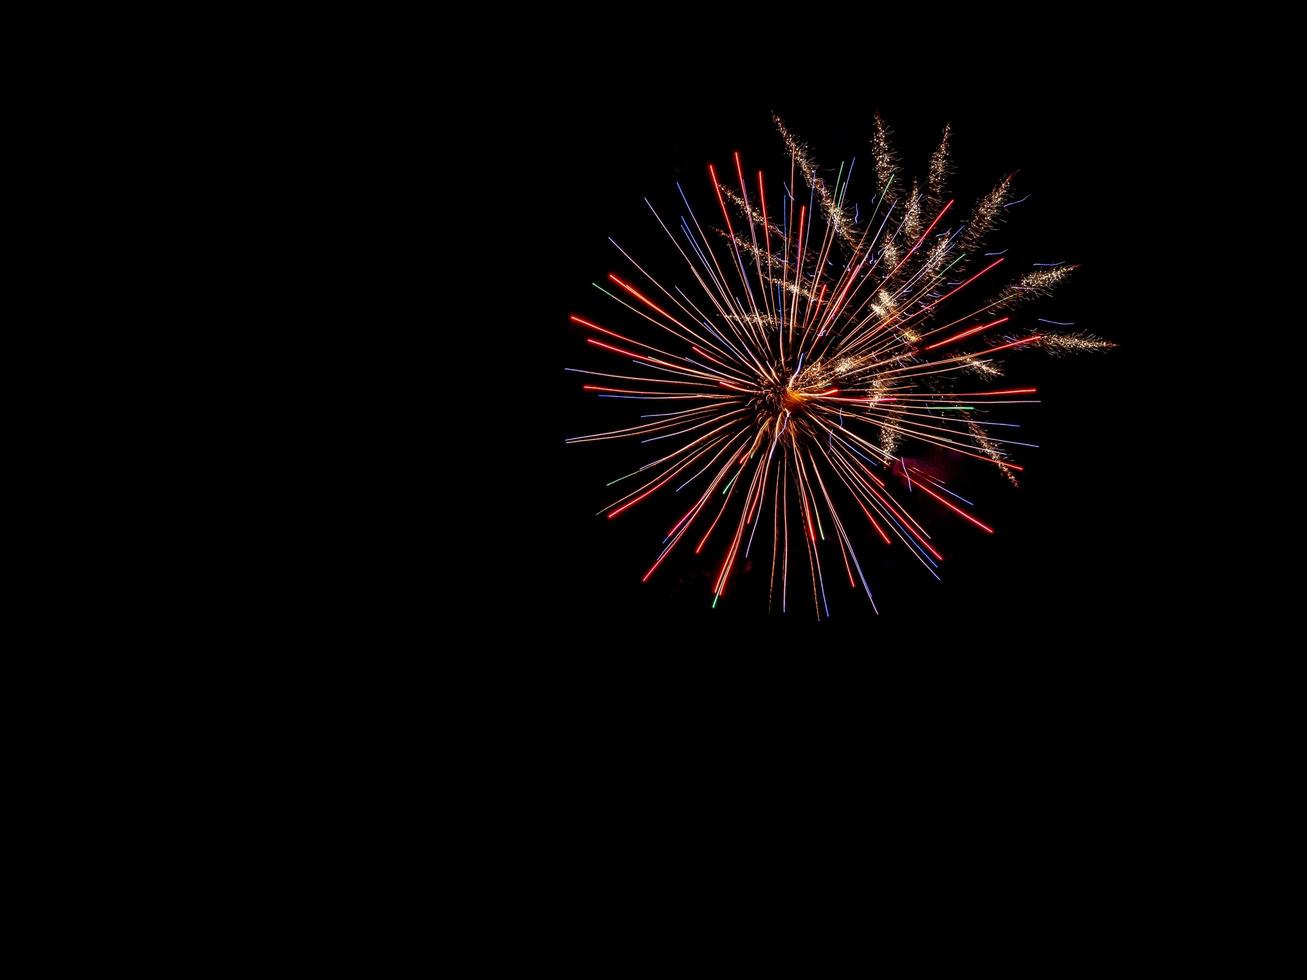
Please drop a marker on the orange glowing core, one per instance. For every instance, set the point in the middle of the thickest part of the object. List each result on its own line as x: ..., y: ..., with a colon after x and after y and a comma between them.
x: 791, y: 399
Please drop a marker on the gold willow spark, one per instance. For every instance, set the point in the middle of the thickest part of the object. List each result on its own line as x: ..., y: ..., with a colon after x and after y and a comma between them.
x: 811, y: 348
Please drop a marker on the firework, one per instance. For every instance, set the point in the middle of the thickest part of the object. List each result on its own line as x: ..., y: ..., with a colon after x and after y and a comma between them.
x: 813, y: 337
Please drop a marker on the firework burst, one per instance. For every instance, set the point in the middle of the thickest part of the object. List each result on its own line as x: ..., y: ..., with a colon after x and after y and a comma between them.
x: 814, y: 338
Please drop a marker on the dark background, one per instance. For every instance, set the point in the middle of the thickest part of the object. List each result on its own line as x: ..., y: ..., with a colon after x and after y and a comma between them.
x: 1074, y: 548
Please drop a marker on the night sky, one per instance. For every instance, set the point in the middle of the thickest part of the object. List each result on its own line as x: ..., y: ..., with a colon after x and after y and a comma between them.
x: 1070, y: 552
